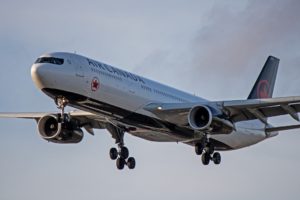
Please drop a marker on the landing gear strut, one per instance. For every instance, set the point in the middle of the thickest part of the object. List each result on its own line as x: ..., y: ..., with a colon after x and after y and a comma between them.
x: 61, y: 103
x: 207, y: 149
x: 121, y: 155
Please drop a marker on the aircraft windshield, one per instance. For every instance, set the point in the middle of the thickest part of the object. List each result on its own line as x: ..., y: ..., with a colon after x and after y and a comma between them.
x: 52, y: 60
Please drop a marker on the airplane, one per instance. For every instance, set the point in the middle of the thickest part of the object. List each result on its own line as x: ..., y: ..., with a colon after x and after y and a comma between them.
x: 106, y: 97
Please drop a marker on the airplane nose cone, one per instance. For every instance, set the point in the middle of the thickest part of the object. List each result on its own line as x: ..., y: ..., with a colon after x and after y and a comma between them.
x: 37, y: 75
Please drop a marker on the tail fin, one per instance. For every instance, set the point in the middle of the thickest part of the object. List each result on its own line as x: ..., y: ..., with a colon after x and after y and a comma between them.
x: 264, y: 85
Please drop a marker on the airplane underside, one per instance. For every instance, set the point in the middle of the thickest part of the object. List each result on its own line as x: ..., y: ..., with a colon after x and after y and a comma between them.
x: 139, y: 125
x: 118, y: 121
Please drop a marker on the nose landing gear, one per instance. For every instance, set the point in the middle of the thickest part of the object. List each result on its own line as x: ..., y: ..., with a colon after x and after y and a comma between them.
x: 61, y: 103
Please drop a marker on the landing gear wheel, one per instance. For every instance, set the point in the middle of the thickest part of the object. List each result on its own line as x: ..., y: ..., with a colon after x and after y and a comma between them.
x: 113, y: 153
x: 205, y: 158
x: 216, y: 158
x: 199, y: 148
x: 124, y: 153
x: 120, y: 163
x: 131, y: 163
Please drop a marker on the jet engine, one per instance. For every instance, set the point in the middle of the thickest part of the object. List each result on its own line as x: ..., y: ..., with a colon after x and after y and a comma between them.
x: 52, y: 129
x: 203, y: 118
x: 200, y: 118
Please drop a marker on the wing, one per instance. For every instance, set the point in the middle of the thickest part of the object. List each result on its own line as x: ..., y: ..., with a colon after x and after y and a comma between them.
x: 262, y: 108
x: 31, y: 115
x: 87, y: 120
x: 234, y: 111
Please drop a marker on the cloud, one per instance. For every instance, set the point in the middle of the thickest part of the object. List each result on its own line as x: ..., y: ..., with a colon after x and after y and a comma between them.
x: 233, y: 42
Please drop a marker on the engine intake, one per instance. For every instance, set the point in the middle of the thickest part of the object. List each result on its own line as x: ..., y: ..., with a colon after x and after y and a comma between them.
x: 200, y: 118
x: 51, y: 129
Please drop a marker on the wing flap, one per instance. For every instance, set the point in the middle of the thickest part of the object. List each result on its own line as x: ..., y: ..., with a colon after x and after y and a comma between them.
x: 282, y: 128
x: 242, y: 110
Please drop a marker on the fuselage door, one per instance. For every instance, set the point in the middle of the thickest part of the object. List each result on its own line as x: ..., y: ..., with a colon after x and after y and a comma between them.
x: 81, y: 77
x: 79, y: 69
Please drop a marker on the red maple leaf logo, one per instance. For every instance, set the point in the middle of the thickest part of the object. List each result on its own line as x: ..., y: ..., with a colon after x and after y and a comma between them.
x: 95, y: 84
x: 263, y: 89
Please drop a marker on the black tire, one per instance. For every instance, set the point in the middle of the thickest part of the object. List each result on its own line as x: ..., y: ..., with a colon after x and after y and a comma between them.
x: 217, y: 158
x: 113, y: 153
x: 205, y: 158
x: 124, y: 153
x: 199, y: 148
x: 120, y: 163
x: 131, y: 163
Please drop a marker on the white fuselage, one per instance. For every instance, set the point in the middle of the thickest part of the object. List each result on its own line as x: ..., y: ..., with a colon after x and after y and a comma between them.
x: 116, y: 94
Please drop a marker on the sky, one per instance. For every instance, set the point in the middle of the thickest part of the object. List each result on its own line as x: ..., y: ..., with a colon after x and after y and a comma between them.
x: 214, y: 49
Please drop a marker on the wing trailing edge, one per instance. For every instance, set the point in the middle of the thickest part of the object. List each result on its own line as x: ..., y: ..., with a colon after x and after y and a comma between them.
x: 282, y: 128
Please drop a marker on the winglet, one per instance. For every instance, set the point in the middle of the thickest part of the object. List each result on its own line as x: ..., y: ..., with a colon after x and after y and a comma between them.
x: 264, y: 85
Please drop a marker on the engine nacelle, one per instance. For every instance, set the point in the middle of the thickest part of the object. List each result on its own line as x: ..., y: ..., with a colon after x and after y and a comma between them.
x: 200, y: 118
x: 211, y: 120
x: 51, y: 129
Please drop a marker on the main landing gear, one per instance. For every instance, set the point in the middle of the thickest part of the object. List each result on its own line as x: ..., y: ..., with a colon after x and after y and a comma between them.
x: 207, y: 150
x: 121, y: 155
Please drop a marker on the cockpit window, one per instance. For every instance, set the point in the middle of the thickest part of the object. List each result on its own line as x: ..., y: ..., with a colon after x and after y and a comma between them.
x: 52, y: 60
